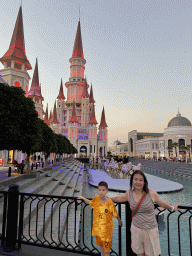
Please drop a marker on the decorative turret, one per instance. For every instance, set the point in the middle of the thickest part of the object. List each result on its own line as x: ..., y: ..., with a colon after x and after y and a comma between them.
x: 91, y: 99
x: 61, y: 94
x: 61, y: 104
x: 92, y: 118
x: 103, y: 124
x: 35, y: 91
x: 46, y: 119
x: 73, y: 118
x: 54, y: 116
x: 15, y: 60
x: 85, y: 93
x: 16, y: 49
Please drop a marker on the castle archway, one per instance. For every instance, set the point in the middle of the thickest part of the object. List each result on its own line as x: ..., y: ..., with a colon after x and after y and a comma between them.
x: 83, y: 151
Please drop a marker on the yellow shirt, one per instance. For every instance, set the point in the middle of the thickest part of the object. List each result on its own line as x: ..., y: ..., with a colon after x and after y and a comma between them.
x: 103, y: 221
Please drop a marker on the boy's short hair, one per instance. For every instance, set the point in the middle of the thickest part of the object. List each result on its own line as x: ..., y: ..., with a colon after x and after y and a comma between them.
x: 103, y: 183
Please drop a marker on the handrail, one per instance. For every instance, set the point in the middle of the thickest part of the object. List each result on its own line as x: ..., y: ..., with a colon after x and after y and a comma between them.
x: 69, y: 228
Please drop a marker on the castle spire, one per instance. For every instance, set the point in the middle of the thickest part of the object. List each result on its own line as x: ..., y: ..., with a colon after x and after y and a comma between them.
x: 16, y: 49
x: 35, y: 88
x: 78, y: 46
x: 61, y: 95
x: 92, y: 118
x: 103, y: 124
x: 91, y: 99
x: 46, y: 119
x: 73, y: 118
x: 54, y: 119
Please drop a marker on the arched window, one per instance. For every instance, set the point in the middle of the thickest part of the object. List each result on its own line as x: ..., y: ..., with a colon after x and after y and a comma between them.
x: 170, y: 142
x: 181, y: 142
x: 17, y: 84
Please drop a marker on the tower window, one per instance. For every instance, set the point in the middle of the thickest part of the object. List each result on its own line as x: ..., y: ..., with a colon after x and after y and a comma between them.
x: 17, y: 84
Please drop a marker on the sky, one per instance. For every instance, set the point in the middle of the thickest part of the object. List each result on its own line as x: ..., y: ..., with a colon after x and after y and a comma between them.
x: 138, y: 56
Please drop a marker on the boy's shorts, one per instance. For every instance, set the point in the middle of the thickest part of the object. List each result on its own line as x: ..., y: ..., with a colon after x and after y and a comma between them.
x: 105, y: 244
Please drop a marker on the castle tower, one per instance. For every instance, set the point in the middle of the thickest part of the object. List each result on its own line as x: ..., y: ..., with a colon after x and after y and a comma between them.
x: 102, y: 136
x: 15, y: 60
x: 76, y: 82
x: 61, y: 105
x: 35, y: 92
x: 73, y: 127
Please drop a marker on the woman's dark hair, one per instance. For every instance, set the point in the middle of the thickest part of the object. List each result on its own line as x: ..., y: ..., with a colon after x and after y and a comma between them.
x: 103, y: 183
x: 145, y: 187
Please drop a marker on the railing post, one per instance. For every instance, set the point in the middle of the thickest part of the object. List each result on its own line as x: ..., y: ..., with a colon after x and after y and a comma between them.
x: 12, y: 217
x: 128, y: 219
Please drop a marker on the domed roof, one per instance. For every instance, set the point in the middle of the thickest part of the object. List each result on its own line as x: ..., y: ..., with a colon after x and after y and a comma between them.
x: 179, y: 121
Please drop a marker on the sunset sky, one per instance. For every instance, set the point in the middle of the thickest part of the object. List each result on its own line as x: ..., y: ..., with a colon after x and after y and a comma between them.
x: 138, y: 55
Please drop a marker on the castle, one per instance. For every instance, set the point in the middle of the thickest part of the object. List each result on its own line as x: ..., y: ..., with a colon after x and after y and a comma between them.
x: 74, y: 116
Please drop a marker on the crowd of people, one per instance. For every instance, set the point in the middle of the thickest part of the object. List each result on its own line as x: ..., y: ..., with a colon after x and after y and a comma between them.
x: 119, y: 167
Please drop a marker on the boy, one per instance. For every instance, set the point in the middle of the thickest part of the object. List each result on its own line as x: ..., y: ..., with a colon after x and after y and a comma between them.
x: 104, y: 210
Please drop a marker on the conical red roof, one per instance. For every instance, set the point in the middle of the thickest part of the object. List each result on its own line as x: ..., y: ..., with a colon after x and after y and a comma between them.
x: 91, y: 99
x: 85, y: 93
x: 92, y: 118
x: 103, y: 124
x: 35, y: 88
x: 61, y: 95
x: 16, y: 49
x: 78, y: 46
x: 46, y: 119
x: 73, y: 117
x: 54, y: 116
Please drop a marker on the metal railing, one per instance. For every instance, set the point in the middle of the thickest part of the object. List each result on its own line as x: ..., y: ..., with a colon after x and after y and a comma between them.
x: 64, y: 223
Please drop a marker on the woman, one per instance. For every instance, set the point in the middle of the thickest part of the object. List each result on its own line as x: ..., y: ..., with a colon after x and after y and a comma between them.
x: 144, y: 229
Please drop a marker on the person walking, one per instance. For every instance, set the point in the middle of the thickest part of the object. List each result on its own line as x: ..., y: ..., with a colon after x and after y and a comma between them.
x: 144, y: 229
x: 104, y: 210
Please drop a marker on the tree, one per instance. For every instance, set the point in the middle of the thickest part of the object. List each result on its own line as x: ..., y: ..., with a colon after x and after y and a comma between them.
x: 184, y: 148
x: 18, y: 126
x: 46, y: 141
x: 175, y: 145
x: 169, y: 149
x: 189, y: 147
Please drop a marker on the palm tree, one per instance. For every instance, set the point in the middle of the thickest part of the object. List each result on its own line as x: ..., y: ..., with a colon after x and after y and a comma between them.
x: 189, y: 147
x: 169, y: 149
x: 184, y: 148
x: 175, y: 145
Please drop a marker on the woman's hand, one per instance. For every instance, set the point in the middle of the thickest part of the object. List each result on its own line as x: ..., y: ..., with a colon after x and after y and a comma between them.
x: 175, y: 207
x: 120, y: 223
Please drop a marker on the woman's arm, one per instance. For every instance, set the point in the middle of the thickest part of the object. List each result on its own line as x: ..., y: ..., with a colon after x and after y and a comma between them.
x: 121, y: 199
x: 85, y: 199
x: 163, y: 204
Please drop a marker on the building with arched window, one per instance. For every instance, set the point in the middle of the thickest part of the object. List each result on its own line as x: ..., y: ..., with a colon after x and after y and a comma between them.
x: 155, y: 145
